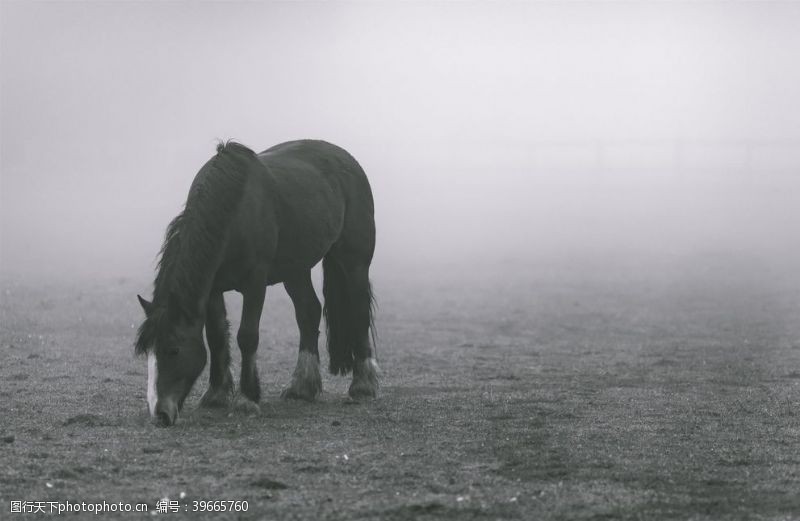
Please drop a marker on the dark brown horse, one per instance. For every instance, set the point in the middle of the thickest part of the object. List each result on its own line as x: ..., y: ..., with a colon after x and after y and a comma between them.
x: 250, y: 221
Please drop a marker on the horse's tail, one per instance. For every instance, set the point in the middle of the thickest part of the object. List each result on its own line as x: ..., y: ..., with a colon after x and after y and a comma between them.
x: 349, y: 312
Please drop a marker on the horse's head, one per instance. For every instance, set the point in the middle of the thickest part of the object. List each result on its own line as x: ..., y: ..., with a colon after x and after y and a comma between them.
x: 176, y: 355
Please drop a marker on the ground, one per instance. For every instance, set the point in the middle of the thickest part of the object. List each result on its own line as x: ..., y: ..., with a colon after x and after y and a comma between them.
x: 661, y: 389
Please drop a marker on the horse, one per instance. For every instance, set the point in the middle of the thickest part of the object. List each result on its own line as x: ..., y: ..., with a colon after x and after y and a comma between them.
x: 252, y: 221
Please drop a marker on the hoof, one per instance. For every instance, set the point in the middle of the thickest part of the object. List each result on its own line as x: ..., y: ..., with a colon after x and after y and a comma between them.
x: 306, y: 380
x: 365, y: 380
x: 216, y: 398
x: 300, y: 392
x: 242, y: 404
x: 361, y: 390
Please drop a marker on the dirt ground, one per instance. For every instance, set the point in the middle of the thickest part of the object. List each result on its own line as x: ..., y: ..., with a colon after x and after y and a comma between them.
x: 664, y: 389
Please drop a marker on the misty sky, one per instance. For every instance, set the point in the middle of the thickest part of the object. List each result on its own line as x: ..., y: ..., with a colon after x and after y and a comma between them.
x: 478, y: 124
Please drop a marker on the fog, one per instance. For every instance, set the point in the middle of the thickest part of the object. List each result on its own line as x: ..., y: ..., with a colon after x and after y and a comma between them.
x: 491, y: 133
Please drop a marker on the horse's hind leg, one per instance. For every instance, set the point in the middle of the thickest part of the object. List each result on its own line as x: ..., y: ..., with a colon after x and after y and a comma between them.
x: 348, y: 289
x: 306, y: 381
x: 220, y: 382
x: 365, y: 368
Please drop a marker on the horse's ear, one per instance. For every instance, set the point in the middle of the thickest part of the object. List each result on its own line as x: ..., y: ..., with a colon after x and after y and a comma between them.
x: 146, y: 306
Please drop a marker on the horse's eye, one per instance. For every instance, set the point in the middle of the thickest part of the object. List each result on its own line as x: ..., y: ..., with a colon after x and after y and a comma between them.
x: 172, y: 351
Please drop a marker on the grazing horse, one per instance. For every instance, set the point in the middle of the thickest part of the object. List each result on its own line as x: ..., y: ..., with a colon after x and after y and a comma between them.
x: 251, y: 221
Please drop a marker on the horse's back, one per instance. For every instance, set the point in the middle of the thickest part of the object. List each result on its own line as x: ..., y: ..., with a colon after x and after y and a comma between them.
x: 299, y: 166
x: 342, y: 171
x: 297, y: 157
x: 322, y: 189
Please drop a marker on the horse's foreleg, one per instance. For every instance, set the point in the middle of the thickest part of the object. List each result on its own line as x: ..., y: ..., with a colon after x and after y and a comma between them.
x: 220, y: 382
x: 306, y: 381
x: 247, y: 338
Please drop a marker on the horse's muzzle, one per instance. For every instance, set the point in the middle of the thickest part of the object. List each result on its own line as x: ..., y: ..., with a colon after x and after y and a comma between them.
x: 166, y: 413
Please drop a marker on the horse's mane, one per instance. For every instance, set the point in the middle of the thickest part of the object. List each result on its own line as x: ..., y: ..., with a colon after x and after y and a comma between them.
x: 194, y: 239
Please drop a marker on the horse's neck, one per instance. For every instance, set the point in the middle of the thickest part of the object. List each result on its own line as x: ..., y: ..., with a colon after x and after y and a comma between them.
x: 204, y: 290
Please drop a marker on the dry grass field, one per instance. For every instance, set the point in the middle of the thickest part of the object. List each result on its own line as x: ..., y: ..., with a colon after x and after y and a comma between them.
x: 662, y: 389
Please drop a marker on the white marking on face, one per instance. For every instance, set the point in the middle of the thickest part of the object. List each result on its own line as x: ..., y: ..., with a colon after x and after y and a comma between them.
x: 152, y: 376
